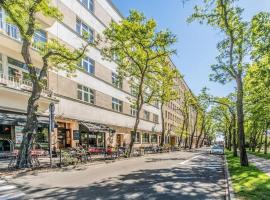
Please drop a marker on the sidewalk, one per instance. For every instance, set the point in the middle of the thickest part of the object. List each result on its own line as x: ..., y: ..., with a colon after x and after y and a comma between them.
x: 261, y: 163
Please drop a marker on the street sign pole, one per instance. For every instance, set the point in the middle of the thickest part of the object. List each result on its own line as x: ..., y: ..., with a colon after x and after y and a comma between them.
x: 51, y: 129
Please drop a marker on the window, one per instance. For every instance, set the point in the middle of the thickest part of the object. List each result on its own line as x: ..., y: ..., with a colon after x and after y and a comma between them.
x: 145, y: 138
x: 84, y: 30
x: 116, y: 80
x: 133, y: 90
x: 156, y: 104
x: 137, y: 137
x: 13, y: 31
x: 117, y: 105
x: 86, y: 94
x: 88, y: 65
x: 39, y: 39
x: 17, y: 63
x: 146, y: 115
x: 133, y: 110
x: 153, y: 138
x: 40, y: 36
x: 155, y: 118
x: 88, y: 4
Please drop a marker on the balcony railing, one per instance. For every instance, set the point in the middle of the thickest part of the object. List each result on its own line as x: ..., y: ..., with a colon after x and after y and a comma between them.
x: 21, y: 84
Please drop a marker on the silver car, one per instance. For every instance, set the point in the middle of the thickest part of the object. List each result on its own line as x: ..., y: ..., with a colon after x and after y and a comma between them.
x: 217, y: 150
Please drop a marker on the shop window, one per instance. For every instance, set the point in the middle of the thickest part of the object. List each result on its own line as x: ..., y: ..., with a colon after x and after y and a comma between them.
x: 84, y: 30
x: 88, y: 4
x: 155, y: 118
x: 117, y: 105
x: 117, y: 81
x: 86, y: 94
x: 5, y: 131
x: 146, y: 115
x: 137, y: 137
x: 133, y: 110
x: 154, y: 138
x: 88, y: 65
x: 145, y: 138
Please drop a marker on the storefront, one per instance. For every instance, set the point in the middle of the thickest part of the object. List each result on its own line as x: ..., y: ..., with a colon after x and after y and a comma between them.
x: 95, y: 135
x: 11, y: 126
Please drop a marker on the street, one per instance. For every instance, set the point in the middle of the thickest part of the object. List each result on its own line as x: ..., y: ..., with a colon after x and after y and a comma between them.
x: 176, y: 175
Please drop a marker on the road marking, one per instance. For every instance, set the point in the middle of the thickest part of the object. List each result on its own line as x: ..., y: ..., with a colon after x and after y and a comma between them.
x: 182, y: 163
x: 8, y: 191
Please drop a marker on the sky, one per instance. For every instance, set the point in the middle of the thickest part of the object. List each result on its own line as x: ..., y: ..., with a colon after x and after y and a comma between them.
x: 196, y: 45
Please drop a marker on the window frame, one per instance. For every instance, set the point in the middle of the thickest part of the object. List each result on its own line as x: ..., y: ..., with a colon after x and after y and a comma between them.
x: 156, y: 138
x: 90, y: 65
x: 116, y: 81
x: 90, y: 5
x: 117, y: 105
x: 146, y: 115
x: 133, y: 110
x: 155, y: 118
x: 82, y: 27
x: 90, y: 92
x: 145, y: 139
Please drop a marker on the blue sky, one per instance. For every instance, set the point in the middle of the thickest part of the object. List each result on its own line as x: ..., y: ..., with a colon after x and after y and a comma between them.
x: 196, y: 44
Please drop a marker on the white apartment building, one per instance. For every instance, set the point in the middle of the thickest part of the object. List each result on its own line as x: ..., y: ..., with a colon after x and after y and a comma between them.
x: 91, y: 107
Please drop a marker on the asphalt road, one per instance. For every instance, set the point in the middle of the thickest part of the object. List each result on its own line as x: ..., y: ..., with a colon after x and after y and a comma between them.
x: 177, y: 175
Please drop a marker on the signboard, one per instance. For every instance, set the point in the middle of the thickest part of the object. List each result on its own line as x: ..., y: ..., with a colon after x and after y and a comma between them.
x: 18, y: 135
x: 76, y: 135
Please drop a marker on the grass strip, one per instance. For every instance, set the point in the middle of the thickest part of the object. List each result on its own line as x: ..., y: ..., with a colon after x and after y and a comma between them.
x: 248, y: 182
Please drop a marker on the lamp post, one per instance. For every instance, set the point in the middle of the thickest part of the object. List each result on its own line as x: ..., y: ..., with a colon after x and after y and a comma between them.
x: 51, y: 129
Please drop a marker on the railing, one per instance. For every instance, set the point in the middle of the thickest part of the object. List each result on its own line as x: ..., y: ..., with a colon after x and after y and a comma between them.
x: 20, y: 84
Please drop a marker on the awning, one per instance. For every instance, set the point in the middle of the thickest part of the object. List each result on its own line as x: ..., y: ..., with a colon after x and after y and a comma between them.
x: 96, y: 127
x: 19, y: 119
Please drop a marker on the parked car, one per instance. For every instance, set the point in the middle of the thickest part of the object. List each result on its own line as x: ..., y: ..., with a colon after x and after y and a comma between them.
x: 217, y: 150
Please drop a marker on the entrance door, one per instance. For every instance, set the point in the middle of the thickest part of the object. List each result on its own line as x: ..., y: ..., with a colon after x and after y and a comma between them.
x: 119, y: 140
x: 63, y: 137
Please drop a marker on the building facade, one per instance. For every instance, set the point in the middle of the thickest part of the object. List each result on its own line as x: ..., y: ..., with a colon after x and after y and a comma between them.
x: 91, y: 108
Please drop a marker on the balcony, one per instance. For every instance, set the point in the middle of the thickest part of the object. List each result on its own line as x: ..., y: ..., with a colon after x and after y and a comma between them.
x: 15, y: 92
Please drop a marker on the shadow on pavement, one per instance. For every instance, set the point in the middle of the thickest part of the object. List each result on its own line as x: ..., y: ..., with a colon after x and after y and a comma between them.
x: 179, y: 182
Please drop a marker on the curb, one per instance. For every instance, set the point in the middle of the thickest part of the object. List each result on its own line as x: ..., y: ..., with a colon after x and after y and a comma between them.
x: 229, y: 189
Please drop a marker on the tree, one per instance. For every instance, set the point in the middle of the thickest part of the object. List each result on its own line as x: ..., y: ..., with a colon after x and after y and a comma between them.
x: 54, y: 55
x: 139, y: 50
x: 187, y: 101
x: 168, y: 91
x: 257, y: 106
x: 203, y: 103
x: 227, y: 108
x: 260, y: 43
x: 223, y: 15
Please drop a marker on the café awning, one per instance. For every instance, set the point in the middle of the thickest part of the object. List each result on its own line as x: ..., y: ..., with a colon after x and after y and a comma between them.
x: 19, y: 119
x: 96, y: 127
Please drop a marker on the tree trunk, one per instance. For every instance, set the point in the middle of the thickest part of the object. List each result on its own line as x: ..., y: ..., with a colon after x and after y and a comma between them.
x: 266, y: 139
x: 24, y: 159
x: 162, y: 124
x: 234, y: 135
x: 240, y: 122
x: 194, y: 130
x: 261, y: 143
x: 201, y: 132
x: 139, y: 104
x: 226, y: 139
x: 201, y: 144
